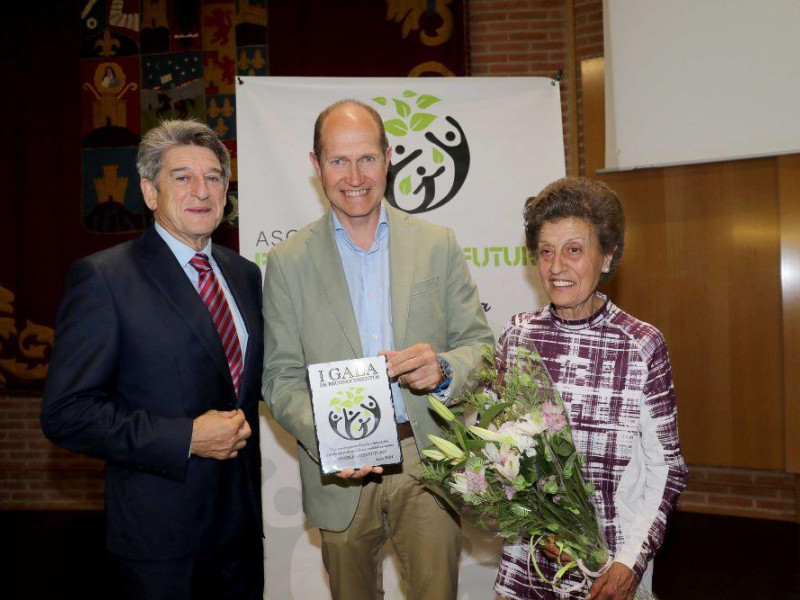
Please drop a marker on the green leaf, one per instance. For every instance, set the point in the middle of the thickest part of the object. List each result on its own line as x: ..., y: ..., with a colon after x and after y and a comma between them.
x: 403, y: 109
x: 492, y: 412
x: 380, y: 100
x: 334, y: 402
x: 405, y: 186
x: 563, y: 448
x: 462, y: 440
x: 420, y: 121
x: 396, y: 127
x: 438, y: 157
x: 409, y: 94
x: 425, y: 100
x: 476, y: 444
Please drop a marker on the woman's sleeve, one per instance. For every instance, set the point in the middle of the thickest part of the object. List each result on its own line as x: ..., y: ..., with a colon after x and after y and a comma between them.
x: 666, y: 472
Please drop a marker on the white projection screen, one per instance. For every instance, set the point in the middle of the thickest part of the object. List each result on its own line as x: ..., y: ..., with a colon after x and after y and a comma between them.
x: 700, y: 80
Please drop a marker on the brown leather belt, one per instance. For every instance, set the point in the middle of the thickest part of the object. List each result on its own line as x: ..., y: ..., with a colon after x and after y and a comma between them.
x: 404, y: 430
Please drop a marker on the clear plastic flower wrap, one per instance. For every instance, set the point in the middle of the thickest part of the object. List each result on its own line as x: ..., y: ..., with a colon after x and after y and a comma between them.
x: 516, y: 471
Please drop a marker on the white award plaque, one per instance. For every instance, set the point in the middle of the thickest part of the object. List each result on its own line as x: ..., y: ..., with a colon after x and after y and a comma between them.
x: 354, y: 414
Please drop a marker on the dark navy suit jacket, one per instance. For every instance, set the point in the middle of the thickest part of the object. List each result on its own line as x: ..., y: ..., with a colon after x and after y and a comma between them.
x: 136, y: 358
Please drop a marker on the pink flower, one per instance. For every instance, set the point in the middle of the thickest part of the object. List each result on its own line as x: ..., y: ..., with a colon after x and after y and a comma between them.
x: 554, y: 417
x: 476, y: 481
x: 467, y: 481
x: 510, y: 491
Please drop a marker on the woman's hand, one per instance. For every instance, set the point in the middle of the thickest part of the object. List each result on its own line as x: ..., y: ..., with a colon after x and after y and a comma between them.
x: 618, y: 583
x: 551, y: 551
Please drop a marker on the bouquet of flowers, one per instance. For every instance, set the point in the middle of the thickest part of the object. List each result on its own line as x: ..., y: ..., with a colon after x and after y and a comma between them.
x: 517, y: 471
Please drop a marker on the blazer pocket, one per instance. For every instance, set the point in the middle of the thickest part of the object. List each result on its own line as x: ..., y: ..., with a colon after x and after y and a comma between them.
x: 425, y: 286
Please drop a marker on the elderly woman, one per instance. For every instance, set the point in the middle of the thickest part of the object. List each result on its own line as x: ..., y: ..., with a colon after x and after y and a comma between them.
x: 614, y: 376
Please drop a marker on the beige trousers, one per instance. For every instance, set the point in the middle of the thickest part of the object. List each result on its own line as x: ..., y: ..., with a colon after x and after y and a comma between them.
x: 426, y: 539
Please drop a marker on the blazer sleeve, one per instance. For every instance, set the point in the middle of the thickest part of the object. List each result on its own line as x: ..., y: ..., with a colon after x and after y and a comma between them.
x: 285, y: 387
x: 81, y: 410
x: 468, y: 332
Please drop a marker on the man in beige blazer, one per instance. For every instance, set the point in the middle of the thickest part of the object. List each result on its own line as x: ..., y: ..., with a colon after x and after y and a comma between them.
x: 324, y: 293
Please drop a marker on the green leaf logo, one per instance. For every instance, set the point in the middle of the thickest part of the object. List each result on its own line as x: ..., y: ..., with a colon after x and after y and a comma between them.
x: 396, y: 127
x: 409, y: 94
x: 438, y: 157
x: 380, y: 100
x: 405, y: 186
x: 403, y: 109
x: 425, y: 100
x: 420, y: 121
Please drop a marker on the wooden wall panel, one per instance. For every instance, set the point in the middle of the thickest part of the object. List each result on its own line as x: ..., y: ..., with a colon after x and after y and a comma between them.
x: 702, y: 264
x: 789, y: 200
x: 593, y: 95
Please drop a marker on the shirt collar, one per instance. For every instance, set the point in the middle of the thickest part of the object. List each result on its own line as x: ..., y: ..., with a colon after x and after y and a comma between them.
x: 182, y: 252
x: 380, y: 232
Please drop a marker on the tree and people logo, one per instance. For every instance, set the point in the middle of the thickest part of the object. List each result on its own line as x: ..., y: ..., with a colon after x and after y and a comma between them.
x: 352, y: 414
x: 431, y: 153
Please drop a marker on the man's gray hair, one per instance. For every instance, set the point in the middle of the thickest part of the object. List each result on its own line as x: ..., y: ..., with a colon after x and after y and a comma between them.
x: 171, y: 134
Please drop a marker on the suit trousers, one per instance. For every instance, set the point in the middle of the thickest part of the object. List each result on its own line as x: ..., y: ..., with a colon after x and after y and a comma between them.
x: 426, y: 538
x: 233, y: 572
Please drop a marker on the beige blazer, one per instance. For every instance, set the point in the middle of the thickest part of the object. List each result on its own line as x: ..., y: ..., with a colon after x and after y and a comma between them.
x: 309, y: 318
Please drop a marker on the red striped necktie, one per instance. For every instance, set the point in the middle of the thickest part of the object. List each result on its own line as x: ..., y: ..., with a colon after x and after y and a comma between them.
x: 214, y: 299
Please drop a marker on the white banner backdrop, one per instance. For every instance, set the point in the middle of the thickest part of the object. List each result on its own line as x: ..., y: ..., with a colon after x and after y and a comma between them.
x: 467, y: 152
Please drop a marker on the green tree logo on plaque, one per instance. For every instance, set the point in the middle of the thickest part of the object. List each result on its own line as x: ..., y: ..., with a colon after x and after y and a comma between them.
x: 352, y: 414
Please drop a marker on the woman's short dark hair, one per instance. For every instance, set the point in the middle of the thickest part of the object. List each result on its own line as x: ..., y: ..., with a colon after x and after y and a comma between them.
x: 581, y: 198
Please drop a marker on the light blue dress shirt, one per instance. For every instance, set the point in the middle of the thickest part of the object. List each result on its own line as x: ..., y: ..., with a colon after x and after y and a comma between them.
x: 368, y: 278
x: 184, y: 254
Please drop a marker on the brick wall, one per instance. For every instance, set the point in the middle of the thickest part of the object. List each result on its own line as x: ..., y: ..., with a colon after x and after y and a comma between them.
x: 743, y: 493
x: 529, y: 38
x: 35, y: 474
x: 519, y: 38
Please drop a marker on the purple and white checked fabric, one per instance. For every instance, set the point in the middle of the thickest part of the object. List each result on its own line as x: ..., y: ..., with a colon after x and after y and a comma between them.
x: 614, y: 375
x: 214, y: 298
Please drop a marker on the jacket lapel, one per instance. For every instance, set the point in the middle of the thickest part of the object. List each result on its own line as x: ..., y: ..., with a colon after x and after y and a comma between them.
x: 158, y: 262
x: 402, y: 260
x: 328, y: 265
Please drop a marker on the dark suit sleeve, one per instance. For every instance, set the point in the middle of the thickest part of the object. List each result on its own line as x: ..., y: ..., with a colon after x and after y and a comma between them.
x: 81, y: 409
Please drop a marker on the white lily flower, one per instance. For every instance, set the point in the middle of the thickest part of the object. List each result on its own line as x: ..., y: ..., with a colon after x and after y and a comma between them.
x: 440, y: 409
x: 515, y: 435
x: 491, y: 452
x: 486, y: 434
x: 532, y: 424
x: 459, y: 483
x: 510, y: 467
x: 433, y: 454
x: 449, y: 449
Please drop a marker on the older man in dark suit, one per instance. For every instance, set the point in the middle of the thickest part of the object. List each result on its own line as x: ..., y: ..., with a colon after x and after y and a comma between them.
x: 156, y: 369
